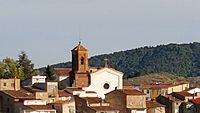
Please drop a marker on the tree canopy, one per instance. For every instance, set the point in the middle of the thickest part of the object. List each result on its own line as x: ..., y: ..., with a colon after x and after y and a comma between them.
x: 25, y: 62
x: 179, y: 59
x: 49, y: 73
x: 9, y: 68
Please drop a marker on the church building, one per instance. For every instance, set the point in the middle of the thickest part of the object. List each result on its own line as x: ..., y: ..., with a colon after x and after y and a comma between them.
x: 99, y: 81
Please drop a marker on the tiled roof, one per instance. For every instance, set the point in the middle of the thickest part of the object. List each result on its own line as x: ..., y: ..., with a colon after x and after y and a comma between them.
x: 170, y: 97
x: 22, y: 93
x: 104, y: 108
x: 196, y: 101
x: 153, y: 104
x: 80, y: 47
x: 62, y: 71
x: 127, y: 87
x: 40, y: 107
x: 159, y: 86
x: 63, y: 93
x: 24, y: 99
x: 131, y: 92
x: 74, y: 89
x: 183, y: 93
x: 93, y: 99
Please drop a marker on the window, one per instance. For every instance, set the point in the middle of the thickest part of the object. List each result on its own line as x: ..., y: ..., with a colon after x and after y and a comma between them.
x: 4, y: 84
x: 106, y: 86
x: 8, y: 99
x: 8, y: 109
x: 12, y: 84
x: 147, y: 91
x: 82, y: 60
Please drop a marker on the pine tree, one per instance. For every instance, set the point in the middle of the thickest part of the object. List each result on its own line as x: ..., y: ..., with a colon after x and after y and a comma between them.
x: 49, y: 73
x: 23, y: 61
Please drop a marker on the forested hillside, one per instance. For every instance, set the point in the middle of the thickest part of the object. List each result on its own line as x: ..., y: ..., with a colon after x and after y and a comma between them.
x: 179, y: 59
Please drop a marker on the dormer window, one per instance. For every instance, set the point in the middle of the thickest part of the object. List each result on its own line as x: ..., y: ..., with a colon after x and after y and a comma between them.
x: 82, y: 60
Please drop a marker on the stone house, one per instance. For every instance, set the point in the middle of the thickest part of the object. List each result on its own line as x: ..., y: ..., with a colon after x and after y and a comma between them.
x: 127, y: 100
x: 179, y: 102
x: 39, y: 98
x: 155, y: 107
x: 34, y: 106
x: 172, y: 104
x: 93, y: 105
x: 154, y: 90
x: 65, y: 104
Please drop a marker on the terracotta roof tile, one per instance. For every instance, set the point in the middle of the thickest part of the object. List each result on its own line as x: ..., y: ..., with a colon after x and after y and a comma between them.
x: 63, y: 93
x: 62, y: 71
x: 80, y: 47
x: 74, y: 89
x: 183, y: 93
x: 196, y: 101
x: 40, y: 107
x: 104, y: 108
x: 153, y: 104
x: 22, y: 93
x: 93, y: 99
x: 159, y: 86
x: 131, y: 92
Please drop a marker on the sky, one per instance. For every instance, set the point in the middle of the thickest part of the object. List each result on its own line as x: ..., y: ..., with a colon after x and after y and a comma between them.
x: 47, y: 30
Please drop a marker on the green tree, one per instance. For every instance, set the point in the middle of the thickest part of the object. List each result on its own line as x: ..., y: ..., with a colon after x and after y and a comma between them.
x: 61, y: 85
x: 49, y: 73
x: 25, y: 62
x: 10, y: 69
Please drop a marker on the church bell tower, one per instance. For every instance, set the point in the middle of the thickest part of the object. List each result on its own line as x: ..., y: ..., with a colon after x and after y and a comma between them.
x: 80, y: 74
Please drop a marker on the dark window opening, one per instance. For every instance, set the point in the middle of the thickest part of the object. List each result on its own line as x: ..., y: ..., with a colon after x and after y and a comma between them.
x: 147, y: 91
x: 82, y: 60
x: 106, y: 86
x: 4, y: 84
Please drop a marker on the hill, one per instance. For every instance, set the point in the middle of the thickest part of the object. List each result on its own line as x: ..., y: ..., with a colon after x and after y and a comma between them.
x: 178, y: 59
x: 164, y: 78
x: 161, y: 78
